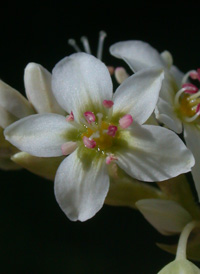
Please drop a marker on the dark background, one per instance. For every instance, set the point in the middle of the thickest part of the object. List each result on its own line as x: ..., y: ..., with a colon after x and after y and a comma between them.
x: 35, y: 235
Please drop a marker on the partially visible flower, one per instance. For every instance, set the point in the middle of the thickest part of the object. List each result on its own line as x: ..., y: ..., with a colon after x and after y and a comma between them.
x: 167, y: 216
x: 179, y: 102
x: 13, y: 106
x: 101, y: 128
x: 181, y: 265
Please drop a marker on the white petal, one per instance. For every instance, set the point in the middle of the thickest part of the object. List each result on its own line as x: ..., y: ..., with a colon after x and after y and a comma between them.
x: 168, y: 217
x: 192, y: 138
x: 167, y: 58
x: 138, y: 94
x: 152, y: 153
x: 169, y: 89
x: 40, y: 135
x: 165, y: 113
x: 13, y: 105
x: 178, y: 75
x: 80, y: 83
x: 37, y: 82
x: 137, y: 54
x: 81, y: 186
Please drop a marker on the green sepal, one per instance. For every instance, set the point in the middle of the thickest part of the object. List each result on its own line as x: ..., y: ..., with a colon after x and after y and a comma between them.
x: 193, y: 246
x: 126, y: 191
x: 44, y: 167
x: 7, y: 164
x: 6, y: 151
x: 178, y: 189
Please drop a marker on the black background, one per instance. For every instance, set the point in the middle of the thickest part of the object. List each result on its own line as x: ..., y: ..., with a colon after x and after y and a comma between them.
x: 35, y: 235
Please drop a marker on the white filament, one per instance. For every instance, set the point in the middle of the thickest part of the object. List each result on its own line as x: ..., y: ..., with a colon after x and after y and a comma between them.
x: 86, y: 45
x: 72, y: 43
x: 102, y: 36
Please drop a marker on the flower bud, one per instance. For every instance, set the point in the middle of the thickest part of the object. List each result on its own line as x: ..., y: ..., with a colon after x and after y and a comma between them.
x: 180, y: 266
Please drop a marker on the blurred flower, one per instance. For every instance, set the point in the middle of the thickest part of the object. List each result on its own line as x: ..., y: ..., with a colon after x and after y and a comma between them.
x: 179, y: 101
x: 101, y: 129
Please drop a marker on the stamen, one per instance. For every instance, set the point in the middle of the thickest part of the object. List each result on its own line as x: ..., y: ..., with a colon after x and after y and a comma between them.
x: 178, y: 94
x: 191, y: 119
x: 72, y: 43
x: 121, y: 74
x: 194, y: 96
x: 90, y: 117
x: 111, y: 70
x: 112, y: 130
x: 88, y: 142
x: 94, y: 135
x: 100, y: 116
x: 190, y: 88
x: 198, y: 109
x: 195, y: 74
x: 68, y: 148
x: 102, y: 36
x: 125, y: 121
x: 110, y: 158
x: 108, y: 103
x: 70, y: 117
x: 86, y: 45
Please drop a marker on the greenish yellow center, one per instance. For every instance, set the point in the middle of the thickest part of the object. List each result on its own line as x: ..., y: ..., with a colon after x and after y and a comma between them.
x: 103, y: 140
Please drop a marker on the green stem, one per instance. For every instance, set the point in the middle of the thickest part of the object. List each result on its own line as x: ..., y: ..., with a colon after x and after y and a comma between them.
x: 182, y: 244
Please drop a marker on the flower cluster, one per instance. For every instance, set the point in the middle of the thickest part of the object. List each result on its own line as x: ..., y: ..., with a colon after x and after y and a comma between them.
x: 94, y: 141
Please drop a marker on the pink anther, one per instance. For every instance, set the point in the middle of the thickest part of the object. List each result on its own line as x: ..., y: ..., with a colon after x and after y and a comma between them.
x: 198, y: 109
x: 190, y: 88
x: 89, y: 143
x: 108, y: 103
x: 195, y: 74
x: 125, y: 121
x: 70, y: 117
x: 110, y: 158
x: 112, y: 130
x: 111, y: 69
x: 90, y: 117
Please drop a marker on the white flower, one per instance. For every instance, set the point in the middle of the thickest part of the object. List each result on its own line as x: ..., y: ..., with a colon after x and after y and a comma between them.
x: 178, y: 104
x: 14, y: 106
x: 101, y: 128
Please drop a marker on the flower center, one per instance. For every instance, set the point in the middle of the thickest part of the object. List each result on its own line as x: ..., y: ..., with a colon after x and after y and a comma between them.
x: 100, y: 135
x: 187, y: 102
x: 97, y: 132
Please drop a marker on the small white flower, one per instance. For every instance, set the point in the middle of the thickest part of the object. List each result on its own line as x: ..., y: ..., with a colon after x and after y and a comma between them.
x: 101, y: 128
x: 14, y: 106
x: 178, y: 105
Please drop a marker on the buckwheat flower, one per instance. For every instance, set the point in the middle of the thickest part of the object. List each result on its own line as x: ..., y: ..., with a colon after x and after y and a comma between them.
x: 179, y: 101
x: 101, y: 129
x: 14, y: 106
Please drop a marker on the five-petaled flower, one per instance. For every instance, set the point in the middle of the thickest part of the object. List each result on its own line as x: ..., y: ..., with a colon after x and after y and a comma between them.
x: 101, y: 128
x: 178, y: 105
